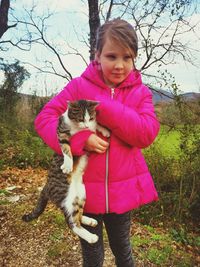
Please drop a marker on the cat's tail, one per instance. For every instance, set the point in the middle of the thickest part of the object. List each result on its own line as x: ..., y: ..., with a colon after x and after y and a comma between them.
x: 39, y: 209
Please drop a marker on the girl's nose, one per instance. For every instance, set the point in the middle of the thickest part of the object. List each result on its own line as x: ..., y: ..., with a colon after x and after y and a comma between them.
x: 119, y: 64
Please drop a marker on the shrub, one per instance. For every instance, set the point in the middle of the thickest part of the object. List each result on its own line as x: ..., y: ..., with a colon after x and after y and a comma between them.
x: 22, y: 148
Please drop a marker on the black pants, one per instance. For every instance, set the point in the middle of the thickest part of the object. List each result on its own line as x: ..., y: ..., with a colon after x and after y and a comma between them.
x: 118, y: 230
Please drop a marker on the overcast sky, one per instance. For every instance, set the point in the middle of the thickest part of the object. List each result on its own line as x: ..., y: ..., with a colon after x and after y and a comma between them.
x: 72, y: 15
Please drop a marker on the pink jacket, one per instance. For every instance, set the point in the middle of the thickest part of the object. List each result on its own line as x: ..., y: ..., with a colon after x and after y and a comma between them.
x: 118, y: 180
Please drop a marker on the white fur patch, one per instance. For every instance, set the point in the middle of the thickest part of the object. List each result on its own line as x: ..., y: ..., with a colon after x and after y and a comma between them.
x: 88, y: 124
x: 83, y: 233
x: 89, y: 221
x: 67, y: 165
x: 77, y: 188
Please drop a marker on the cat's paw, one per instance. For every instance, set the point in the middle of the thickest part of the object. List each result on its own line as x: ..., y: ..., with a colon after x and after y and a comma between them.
x: 93, y: 239
x: 89, y: 221
x: 67, y: 165
x: 105, y: 132
x: 93, y: 222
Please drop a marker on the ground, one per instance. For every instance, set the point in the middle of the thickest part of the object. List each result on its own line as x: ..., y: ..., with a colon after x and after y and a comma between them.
x: 47, y: 241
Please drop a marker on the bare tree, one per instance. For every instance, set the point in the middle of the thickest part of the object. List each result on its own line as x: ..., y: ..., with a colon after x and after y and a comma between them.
x: 159, y: 24
x: 36, y: 27
x: 94, y: 23
x: 4, y: 8
x: 23, y: 43
x: 161, y: 40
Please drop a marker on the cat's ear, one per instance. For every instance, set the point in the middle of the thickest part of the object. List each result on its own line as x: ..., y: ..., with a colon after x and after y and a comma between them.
x: 94, y: 104
x: 70, y: 104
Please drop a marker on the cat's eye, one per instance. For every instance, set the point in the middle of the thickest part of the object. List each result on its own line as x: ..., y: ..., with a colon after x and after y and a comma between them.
x: 91, y: 119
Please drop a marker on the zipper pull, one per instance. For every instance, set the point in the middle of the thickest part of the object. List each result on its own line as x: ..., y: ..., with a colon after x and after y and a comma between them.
x: 112, y: 92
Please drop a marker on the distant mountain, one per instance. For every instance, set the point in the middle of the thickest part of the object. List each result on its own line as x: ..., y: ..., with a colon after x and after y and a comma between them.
x: 191, y: 96
x: 160, y: 95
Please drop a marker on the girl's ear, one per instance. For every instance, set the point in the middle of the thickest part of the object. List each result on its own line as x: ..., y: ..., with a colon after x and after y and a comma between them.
x: 97, y: 56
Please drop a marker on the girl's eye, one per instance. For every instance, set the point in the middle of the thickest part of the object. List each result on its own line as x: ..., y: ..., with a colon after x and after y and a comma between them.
x: 111, y: 57
x: 127, y: 57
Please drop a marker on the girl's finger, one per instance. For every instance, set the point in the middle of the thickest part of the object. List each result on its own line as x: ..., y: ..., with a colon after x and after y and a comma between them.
x: 99, y: 150
x: 103, y: 143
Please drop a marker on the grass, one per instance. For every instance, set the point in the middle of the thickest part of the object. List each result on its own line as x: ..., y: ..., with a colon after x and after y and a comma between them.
x: 4, y: 192
x: 155, y: 246
x: 21, y: 148
x: 57, y: 249
x: 169, y: 142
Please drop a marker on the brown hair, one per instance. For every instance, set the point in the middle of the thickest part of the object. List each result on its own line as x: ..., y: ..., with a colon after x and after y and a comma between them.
x: 119, y: 31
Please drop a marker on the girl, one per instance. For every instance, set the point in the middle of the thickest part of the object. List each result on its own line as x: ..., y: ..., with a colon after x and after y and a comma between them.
x: 117, y: 179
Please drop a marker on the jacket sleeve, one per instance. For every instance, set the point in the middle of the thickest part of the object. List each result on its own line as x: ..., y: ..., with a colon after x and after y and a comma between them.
x: 46, y: 122
x: 137, y: 127
x: 77, y: 142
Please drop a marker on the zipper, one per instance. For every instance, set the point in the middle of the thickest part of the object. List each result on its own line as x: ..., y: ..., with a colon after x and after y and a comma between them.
x: 112, y: 92
x: 106, y: 182
x: 107, y: 164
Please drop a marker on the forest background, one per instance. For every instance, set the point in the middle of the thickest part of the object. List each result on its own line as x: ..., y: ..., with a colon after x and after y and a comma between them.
x: 37, y: 59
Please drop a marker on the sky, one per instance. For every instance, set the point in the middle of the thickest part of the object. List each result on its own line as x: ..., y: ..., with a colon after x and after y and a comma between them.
x: 68, y: 29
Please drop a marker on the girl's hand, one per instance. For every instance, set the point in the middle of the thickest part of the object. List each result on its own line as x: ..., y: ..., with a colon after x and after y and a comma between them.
x: 96, y: 144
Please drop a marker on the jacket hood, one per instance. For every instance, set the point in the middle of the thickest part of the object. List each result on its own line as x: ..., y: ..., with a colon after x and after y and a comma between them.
x: 93, y: 73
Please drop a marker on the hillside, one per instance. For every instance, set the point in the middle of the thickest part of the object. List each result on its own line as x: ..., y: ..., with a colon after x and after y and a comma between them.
x: 165, y: 96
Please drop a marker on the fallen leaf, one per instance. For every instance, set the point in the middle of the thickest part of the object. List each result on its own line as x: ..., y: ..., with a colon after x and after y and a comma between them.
x: 13, y: 198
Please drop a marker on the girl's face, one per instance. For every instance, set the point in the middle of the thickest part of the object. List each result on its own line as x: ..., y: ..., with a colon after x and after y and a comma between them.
x: 116, y: 63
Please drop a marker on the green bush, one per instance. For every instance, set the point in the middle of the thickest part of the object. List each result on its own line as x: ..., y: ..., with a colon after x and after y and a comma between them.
x: 21, y: 148
x: 176, y: 178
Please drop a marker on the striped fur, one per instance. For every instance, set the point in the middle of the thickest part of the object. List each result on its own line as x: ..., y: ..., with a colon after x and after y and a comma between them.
x: 64, y: 185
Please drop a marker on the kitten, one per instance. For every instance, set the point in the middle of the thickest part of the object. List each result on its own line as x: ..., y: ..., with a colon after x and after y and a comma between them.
x: 65, y: 188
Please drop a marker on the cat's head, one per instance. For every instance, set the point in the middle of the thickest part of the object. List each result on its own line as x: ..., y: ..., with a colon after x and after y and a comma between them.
x: 82, y: 113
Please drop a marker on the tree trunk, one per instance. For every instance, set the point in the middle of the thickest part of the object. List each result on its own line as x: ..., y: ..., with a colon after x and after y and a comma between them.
x: 94, y: 23
x: 4, y: 7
